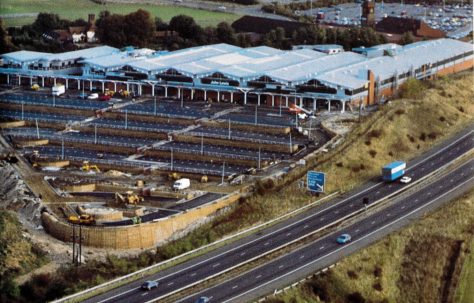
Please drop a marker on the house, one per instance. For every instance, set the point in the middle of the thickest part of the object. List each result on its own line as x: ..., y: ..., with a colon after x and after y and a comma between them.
x: 78, y: 33
x: 397, y: 25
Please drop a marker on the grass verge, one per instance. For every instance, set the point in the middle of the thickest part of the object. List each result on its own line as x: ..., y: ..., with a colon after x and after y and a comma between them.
x: 73, y: 9
x: 465, y: 291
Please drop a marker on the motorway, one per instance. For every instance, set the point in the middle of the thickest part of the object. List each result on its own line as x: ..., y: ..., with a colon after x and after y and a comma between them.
x: 253, y: 283
x: 272, y: 238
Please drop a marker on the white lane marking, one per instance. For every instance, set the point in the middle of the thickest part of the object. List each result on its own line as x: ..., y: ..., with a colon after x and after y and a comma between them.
x: 388, y: 214
x: 281, y: 266
x: 235, y: 286
x: 429, y: 193
x: 452, y: 180
x: 258, y: 277
x: 215, y: 265
x: 243, y: 253
x: 171, y: 283
x: 373, y: 222
x: 288, y: 234
x: 336, y: 212
x: 403, y: 207
x: 302, y: 256
x: 321, y: 247
x: 144, y: 294
x: 416, y: 200
x: 349, y: 244
x: 351, y: 205
x: 266, y: 243
x: 193, y: 274
x: 322, y: 219
x: 306, y: 226
x: 377, y: 192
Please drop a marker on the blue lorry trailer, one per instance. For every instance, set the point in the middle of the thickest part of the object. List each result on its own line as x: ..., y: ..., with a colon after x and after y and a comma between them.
x: 393, y: 171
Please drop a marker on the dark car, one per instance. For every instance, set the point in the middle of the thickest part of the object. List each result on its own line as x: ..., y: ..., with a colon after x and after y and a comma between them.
x: 148, y: 285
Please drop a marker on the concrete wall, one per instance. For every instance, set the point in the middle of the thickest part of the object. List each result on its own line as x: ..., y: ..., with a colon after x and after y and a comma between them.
x: 144, y: 235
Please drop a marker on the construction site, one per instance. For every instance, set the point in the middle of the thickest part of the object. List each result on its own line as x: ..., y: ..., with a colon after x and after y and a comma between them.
x: 115, y: 165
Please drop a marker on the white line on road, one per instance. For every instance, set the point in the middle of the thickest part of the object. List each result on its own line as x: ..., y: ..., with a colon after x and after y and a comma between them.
x: 302, y: 256
x: 171, y: 283
x: 217, y: 264
x: 193, y: 274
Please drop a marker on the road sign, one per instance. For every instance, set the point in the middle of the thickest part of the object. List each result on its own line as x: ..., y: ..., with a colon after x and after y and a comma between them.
x: 315, y: 181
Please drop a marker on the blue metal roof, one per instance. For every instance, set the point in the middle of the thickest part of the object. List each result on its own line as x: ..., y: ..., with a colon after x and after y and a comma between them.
x: 394, y: 164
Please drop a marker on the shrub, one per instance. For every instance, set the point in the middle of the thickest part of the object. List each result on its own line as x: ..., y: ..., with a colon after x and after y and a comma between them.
x: 442, y: 119
x: 352, y: 274
x: 362, y: 166
x: 377, y: 286
x: 412, y: 89
x: 339, y: 164
x: 378, y: 271
x: 461, y: 109
x: 367, y: 142
x: 373, y: 153
x: 355, y: 169
x: 355, y: 297
x: 423, y: 137
x: 390, y: 153
x: 400, y: 111
x: 432, y: 135
x: 375, y: 133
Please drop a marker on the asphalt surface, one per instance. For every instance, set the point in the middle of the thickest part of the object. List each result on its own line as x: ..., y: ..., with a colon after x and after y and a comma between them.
x: 240, y: 251
x: 41, y: 117
x: 245, y: 287
x: 137, y: 125
x: 49, y: 101
x: 165, y: 108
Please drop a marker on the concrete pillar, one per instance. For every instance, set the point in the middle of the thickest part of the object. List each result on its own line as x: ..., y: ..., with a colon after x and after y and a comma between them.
x: 166, y: 91
x: 205, y: 95
x: 218, y: 96
x: 67, y: 83
x: 286, y: 101
x: 153, y: 90
x: 329, y: 105
x: 115, y: 86
x: 128, y: 87
x: 301, y: 101
x: 19, y: 80
x: 31, y: 80
x: 258, y: 99
x: 179, y: 92
x: 273, y: 100
x: 103, y: 86
x: 343, y: 106
x: 245, y: 97
x: 192, y: 94
x: 42, y: 81
x: 90, y: 85
x: 8, y: 79
x: 139, y: 89
x: 231, y: 97
x: 78, y: 84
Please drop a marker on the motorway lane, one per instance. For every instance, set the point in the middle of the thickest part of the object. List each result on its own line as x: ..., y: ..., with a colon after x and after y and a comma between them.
x: 189, y: 272
x: 233, y: 290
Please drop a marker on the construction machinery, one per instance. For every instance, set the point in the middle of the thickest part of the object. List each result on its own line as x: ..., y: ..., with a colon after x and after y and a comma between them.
x: 124, y: 93
x: 84, y: 219
x: 35, y: 87
x: 109, y: 93
x: 130, y: 198
x: 33, y: 158
x: 87, y: 167
x: 136, y: 220
x: 174, y: 176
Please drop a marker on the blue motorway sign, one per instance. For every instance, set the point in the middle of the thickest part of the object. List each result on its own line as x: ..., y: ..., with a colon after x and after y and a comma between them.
x: 315, y: 181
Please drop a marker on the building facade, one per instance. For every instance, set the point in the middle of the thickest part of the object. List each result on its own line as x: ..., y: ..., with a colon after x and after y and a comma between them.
x: 257, y: 75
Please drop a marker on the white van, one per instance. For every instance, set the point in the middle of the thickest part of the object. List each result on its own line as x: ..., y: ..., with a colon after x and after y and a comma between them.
x: 181, y: 184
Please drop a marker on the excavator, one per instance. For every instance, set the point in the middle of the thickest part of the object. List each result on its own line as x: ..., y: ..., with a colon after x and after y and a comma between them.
x: 35, y: 87
x: 82, y: 219
x: 130, y: 198
x: 87, y: 167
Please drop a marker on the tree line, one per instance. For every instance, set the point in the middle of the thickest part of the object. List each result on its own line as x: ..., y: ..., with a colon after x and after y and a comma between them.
x: 140, y: 29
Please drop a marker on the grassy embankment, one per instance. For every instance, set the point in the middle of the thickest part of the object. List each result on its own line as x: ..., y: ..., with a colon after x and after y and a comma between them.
x: 465, y: 291
x: 412, y: 265
x: 406, y: 128
x: 17, y: 255
x: 73, y: 9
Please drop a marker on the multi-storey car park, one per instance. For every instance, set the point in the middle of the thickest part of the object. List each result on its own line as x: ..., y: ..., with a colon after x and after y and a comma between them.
x: 182, y: 118
x: 256, y: 75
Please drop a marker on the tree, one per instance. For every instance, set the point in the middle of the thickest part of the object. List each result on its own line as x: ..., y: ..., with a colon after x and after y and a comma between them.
x: 160, y: 25
x: 185, y: 26
x: 139, y: 28
x: 111, y: 30
x: 5, y: 45
x: 225, y: 33
x: 46, y: 22
x: 406, y: 38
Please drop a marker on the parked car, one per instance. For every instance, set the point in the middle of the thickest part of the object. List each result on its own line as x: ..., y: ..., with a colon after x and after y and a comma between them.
x: 405, y: 180
x: 104, y: 97
x: 83, y: 95
x: 93, y: 96
x: 148, y: 285
x: 343, y: 239
x: 202, y: 300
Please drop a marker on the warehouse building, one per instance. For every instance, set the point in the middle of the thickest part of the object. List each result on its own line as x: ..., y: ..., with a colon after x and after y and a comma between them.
x: 258, y: 75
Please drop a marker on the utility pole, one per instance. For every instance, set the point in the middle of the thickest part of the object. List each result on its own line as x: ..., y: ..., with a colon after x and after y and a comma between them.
x: 291, y: 144
x: 73, y: 244
x: 223, y: 172
x: 37, y: 129
x: 202, y: 144
x: 171, y: 158
x: 80, y: 245
x: 126, y: 119
x: 259, y: 157
x: 280, y: 107
x: 256, y: 114
x: 182, y: 98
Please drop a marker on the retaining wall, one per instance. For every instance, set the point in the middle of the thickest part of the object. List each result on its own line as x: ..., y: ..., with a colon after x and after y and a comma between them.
x: 143, y: 235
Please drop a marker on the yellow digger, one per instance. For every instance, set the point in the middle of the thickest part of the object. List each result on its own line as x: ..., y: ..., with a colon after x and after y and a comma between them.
x: 82, y: 219
x: 87, y: 167
x: 130, y: 198
x: 35, y: 87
